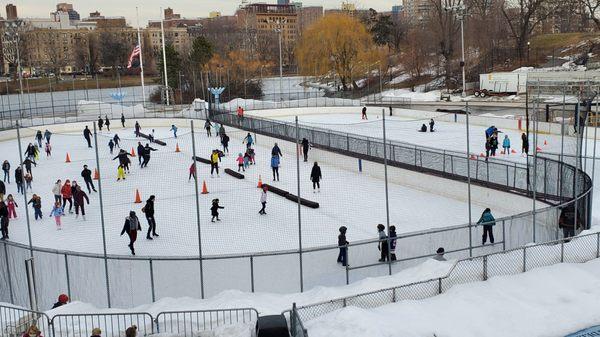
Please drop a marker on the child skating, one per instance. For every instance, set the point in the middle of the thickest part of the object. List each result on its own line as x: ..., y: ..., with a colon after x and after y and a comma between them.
x: 214, y: 210
x: 240, y: 161
x: 506, y: 145
x: 57, y: 212
x: 263, y: 200
x: 11, y: 204
x: 120, y: 172
x: 48, y: 150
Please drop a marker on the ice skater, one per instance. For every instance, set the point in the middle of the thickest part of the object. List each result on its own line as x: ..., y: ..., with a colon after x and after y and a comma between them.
x: 392, y: 235
x: 79, y: 197
x: 120, y: 172
x: 11, y: 205
x: 431, y: 125
x: 214, y: 210
x: 275, y: 167
x: 4, y: 220
x: 100, y: 123
x: 36, y: 203
x: 383, y: 243
x: 57, y: 212
x: 524, y: 144
x: 39, y: 137
x: 488, y: 222
x: 146, y: 155
x: 276, y: 151
x: 214, y: 163
x: 140, y: 152
x: 111, y: 145
x: 117, y: 140
x: 27, y: 163
x: 174, y: 129
x: 225, y: 143
x: 19, y: 180
x: 28, y: 179
x: 123, y: 157
x: 131, y: 227
x: 67, y: 195
x: 343, y: 246
x: 207, y: 127
x: 263, y: 200
x: 86, y: 173
x: 87, y: 134
x: 107, y: 123
x: 48, y: 149
x: 315, y: 177
x: 248, y: 140
x: 305, y: 148
x: 506, y: 145
x: 56, y: 189
x: 192, y: 171
x: 122, y: 120
x: 6, y: 170
x: 240, y: 161
x: 364, y: 113
x: 148, y: 211
x: 138, y: 129
x: 47, y: 135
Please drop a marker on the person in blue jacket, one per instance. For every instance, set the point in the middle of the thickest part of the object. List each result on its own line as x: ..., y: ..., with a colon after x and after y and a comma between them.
x: 490, y: 131
x: 488, y: 222
x: 506, y: 144
x: 275, y: 167
x: 248, y: 140
x: 174, y: 129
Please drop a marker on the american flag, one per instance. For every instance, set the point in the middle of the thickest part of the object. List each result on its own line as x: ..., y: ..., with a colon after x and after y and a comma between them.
x: 136, y: 52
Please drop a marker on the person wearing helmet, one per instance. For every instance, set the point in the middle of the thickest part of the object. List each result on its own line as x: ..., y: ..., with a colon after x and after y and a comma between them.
x: 62, y: 300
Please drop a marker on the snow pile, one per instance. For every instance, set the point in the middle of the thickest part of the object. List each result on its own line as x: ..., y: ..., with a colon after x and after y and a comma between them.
x: 89, y: 109
x: 401, y: 78
x: 431, y: 96
x: 549, y: 301
x: 252, y: 104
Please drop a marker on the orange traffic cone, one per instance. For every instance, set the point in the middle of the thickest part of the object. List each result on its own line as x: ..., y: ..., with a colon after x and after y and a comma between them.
x: 96, y: 174
x: 132, y: 152
x: 204, y: 189
x: 138, y: 199
x: 177, y: 148
x: 68, y: 160
x: 513, y: 151
x: 259, y: 182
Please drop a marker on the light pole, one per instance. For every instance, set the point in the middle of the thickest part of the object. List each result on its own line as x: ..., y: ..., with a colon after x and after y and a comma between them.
x: 279, y: 30
x: 461, y: 12
x: 528, y: 46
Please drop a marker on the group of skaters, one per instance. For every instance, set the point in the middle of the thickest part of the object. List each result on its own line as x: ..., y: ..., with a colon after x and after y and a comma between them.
x: 492, y: 143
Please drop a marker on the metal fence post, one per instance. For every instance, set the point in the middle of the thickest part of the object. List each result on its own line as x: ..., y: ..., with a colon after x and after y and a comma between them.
x: 562, y: 251
x: 485, y: 268
x: 10, y: 288
x: 252, y: 273
x: 102, y: 215
x: 299, y: 204
x: 439, y: 285
x: 24, y: 190
x: 152, y: 281
x: 524, y: 259
x: 503, y: 234
x: 387, y: 199
x: 598, y: 245
x: 197, y: 210
x: 67, y: 274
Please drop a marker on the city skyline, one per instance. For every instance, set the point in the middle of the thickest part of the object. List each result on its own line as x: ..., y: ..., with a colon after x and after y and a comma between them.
x: 150, y: 9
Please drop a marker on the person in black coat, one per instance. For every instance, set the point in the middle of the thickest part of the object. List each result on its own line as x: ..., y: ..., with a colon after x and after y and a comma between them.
x: 140, y: 152
x: 305, y: 147
x: 276, y: 151
x: 342, y: 244
x: 39, y: 137
x: 87, y: 134
x: 146, y: 156
x: 107, y: 122
x: 431, y: 124
x: 524, y: 143
x: 131, y: 227
x: 148, y: 210
x: 27, y: 163
x: 111, y: 146
x: 315, y: 177
x: 2, y: 188
x: 225, y: 142
x: 19, y: 179
x: 100, y: 123
x: 122, y: 156
x: 214, y: 210
x: 6, y: 170
x: 4, y: 220
x: 30, y: 152
x: 122, y: 120
x: 87, y: 177
x: 138, y: 128
x: 117, y: 140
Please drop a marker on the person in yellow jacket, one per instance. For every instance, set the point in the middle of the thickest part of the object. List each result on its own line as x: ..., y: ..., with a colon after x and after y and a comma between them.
x: 120, y: 173
x: 214, y: 162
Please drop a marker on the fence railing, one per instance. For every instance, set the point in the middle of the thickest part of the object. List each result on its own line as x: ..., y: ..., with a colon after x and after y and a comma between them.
x: 14, y: 322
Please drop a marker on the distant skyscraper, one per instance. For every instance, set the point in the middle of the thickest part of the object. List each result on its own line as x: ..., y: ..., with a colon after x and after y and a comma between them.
x: 397, y: 9
x: 11, y: 12
x: 283, y: 2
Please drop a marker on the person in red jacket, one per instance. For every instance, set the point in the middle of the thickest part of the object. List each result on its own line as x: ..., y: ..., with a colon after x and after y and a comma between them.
x: 192, y: 171
x: 32, y: 331
x: 67, y: 195
x: 240, y: 112
x: 79, y: 197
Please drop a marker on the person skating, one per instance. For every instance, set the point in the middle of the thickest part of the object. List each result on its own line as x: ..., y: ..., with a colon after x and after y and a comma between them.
x: 87, y: 134
x: 100, y: 123
x: 383, y: 243
x: 79, y: 197
x: 488, y: 148
x: 494, y: 144
x: 207, y: 127
x: 36, y: 203
x: 276, y: 151
x: 19, y: 180
x: 305, y: 148
x: 39, y: 137
x: 240, y: 113
x: 11, y: 205
x: 174, y: 129
x: 27, y: 163
x: 6, y: 170
x: 57, y: 212
x: 148, y: 211
x: 506, y: 145
x: 393, y: 237
x: 423, y: 128
x: 122, y: 120
x: 67, y: 195
x: 30, y: 152
x: 214, y: 163
x: 315, y: 177
x: 120, y: 172
x: 225, y: 143
x: 192, y: 171
x: 37, y: 152
x: 117, y: 140
x: 343, y: 246
x: 131, y: 227
x: 247, y: 158
x: 240, y: 161
x: 4, y: 220
x: 48, y: 149
x: 263, y: 200
x: 248, y: 140
x: 567, y: 222
x: 275, y: 167
x: 431, y: 125
x: 138, y: 128
x: 56, y: 190
x: 146, y: 156
x: 364, y: 113
x: 140, y: 152
x: 524, y: 143
x: 214, y: 210
x: 217, y: 128
x: 488, y: 222
x: 111, y: 146
x: 123, y: 157
x: 2, y: 189
x: 47, y: 135
x: 107, y: 123
x: 28, y: 178
x: 151, y: 136
x: 87, y: 178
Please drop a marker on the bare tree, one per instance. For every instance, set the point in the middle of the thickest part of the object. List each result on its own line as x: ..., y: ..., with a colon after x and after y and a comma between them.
x: 593, y: 7
x: 446, y: 29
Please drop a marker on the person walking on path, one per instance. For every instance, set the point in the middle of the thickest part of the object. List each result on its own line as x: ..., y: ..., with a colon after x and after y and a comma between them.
x: 111, y: 145
x: 146, y: 156
x: 131, y: 227
x: 148, y: 210
x: 48, y: 149
x: 79, y: 197
x: 315, y: 177
x: 305, y: 148
x: 87, y: 178
x: 87, y: 134
x: 225, y: 143
x: 174, y: 129
x: 248, y: 140
x: 276, y: 151
x: 383, y: 243
x: 343, y: 246
x: 100, y: 123
x: 207, y: 127
x: 393, y: 237
x: 240, y: 161
x: 524, y: 144
x: 6, y: 170
x: 364, y: 113
x: 506, y: 145
x: 275, y: 167
x: 122, y: 120
x: 39, y: 137
x: 107, y: 123
x: 19, y: 179
x: 47, y: 135
x: 214, y: 162
x: 67, y: 195
x: 11, y: 205
x: 4, y: 220
x: 36, y: 203
x: 214, y: 210
x: 138, y: 128
x: 56, y: 190
x: 488, y: 222
x: 117, y: 140
x: 263, y: 200
x: 57, y: 212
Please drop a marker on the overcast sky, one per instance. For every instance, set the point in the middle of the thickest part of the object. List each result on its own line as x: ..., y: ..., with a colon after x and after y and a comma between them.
x: 150, y: 9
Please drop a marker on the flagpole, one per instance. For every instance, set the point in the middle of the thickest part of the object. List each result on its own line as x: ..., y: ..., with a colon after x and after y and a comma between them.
x: 162, y: 31
x: 137, y: 14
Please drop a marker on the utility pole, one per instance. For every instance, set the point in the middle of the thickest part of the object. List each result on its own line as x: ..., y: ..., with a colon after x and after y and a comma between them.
x: 461, y: 12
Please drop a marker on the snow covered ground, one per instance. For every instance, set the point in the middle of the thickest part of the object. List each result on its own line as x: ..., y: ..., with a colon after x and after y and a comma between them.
x: 548, y: 301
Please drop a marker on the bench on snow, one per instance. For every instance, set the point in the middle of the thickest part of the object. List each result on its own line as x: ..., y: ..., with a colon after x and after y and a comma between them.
x: 202, y: 160
x: 291, y: 197
x: 234, y: 174
x: 157, y: 141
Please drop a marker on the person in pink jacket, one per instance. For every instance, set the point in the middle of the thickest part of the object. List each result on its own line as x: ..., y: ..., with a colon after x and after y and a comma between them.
x: 11, y: 205
x: 240, y: 161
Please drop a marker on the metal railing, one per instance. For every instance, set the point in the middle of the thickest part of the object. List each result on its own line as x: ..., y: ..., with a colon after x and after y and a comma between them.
x: 15, y: 321
x: 190, y: 323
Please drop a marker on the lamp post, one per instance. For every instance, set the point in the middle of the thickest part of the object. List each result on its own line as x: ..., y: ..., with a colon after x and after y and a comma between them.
x: 461, y: 12
x: 528, y: 46
x: 279, y: 30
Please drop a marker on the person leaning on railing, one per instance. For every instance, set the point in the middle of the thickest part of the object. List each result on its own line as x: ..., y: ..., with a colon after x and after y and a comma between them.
x: 566, y: 221
x: 488, y: 222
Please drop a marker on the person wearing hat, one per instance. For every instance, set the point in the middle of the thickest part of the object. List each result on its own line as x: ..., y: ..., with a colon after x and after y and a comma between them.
x: 383, y: 246
x: 439, y: 254
x: 392, y: 236
x: 32, y: 331
x: 62, y: 300
x: 96, y: 332
x: 131, y: 227
x: 131, y: 331
x: 214, y: 210
x: 263, y: 200
x: 343, y: 245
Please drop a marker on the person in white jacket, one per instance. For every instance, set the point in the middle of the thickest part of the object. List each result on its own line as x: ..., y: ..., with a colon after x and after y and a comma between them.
x: 263, y: 200
x: 56, y: 190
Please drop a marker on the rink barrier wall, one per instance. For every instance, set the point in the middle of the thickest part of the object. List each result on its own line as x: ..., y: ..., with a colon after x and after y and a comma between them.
x: 15, y: 321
